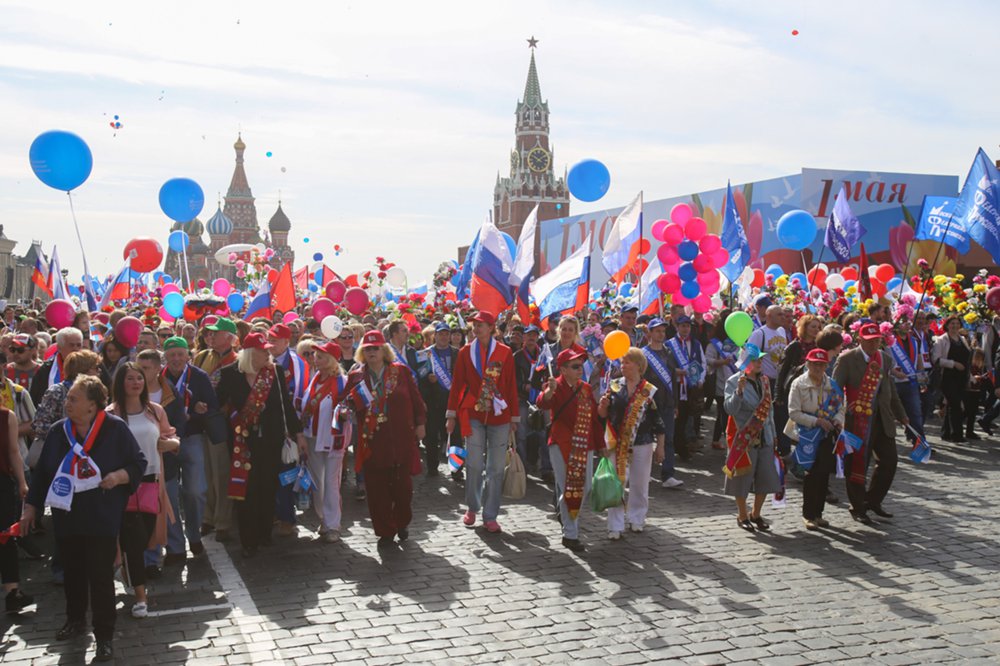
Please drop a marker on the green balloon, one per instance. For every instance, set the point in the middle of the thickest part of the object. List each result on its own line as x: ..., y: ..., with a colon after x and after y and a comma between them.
x: 739, y: 326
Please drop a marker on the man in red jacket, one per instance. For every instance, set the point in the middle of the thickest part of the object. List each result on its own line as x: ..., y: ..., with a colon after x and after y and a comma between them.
x: 483, y: 399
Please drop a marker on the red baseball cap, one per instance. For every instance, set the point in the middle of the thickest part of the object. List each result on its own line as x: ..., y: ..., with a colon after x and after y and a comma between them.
x: 869, y: 332
x: 280, y: 331
x: 331, y: 348
x: 256, y: 341
x: 485, y: 317
x: 373, y: 339
x: 569, y: 355
x: 817, y: 355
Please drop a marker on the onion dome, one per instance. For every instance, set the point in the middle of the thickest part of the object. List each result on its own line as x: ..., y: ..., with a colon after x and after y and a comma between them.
x: 194, y: 228
x: 279, y: 221
x: 239, y: 145
x: 219, y: 224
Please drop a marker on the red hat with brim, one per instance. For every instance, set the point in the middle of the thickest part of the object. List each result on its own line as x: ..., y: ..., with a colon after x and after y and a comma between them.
x: 331, y: 348
x: 485, y: 317
x: 869, y: 332
x: 280, y: 331
x: 256, y: 341
x: 569, y: 355
x: 373, y: 339
x: 817, y: 356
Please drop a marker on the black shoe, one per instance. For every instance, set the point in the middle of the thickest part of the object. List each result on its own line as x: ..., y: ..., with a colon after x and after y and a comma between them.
x: 170, y: 559
x: 18, y: 601
x: 862, y: 518
x: 104, y: 651
x: 986, y: 427
x: 197, y: 548
x: 222, y: 536
x: 206, y: 529
x: 973, y: 436
x: 432, y: 471
x: 745, y: 524
x: 249, y: 551
x: 832, y: 499
x: 29, y: 548
x: 385, y: 543
x: 548, y: 477
x: 457, y: 476
x: 403, y: 534
x: 574, y: 544
x: 879, y: 511
x: 153, y: 572
x: 70, y: 630
x: 761, y: 524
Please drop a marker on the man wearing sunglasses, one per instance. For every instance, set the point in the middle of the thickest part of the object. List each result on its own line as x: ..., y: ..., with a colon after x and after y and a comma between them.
x: 23, y: 364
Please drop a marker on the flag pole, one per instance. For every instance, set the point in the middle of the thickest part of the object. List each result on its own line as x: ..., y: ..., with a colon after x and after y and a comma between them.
x: 906, y: 267
x: 79, y: 238
x: 639, y: 280
x: 809, y: 280
x: 937, y: 255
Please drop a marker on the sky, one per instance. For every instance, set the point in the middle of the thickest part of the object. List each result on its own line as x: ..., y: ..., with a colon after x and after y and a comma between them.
x: 388, y: 121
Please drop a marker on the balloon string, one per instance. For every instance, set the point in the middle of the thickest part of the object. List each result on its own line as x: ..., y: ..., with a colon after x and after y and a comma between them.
x: 79, y: 238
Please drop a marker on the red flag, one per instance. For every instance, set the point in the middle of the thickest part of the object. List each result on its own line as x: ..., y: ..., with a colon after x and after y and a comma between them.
x: 301, y: 278
x: 864, y: 280
x: 283, y: 291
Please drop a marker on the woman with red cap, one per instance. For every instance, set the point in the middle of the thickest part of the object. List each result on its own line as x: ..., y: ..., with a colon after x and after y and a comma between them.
x: 816, y: 411
x: 255, y: 396
x: 325, y: 424
x: 574, y: 436
x: 391, y: 416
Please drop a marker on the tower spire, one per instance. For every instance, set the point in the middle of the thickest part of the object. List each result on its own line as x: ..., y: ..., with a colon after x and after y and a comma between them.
x: 532, y: 89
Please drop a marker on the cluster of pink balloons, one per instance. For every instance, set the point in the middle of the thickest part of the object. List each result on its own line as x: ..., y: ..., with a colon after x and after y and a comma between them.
x: 690, y: 257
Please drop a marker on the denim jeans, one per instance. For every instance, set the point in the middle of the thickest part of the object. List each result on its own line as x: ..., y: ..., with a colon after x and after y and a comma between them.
x: 909, y: 395
x: 667, y: 468
x: 187, y: 494
x: 570, y: 526
x: 523, y: 434
x: 486, y: 457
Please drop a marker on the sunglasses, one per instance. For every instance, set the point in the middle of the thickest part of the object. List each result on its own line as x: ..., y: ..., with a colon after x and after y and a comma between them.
x: 346, y: 337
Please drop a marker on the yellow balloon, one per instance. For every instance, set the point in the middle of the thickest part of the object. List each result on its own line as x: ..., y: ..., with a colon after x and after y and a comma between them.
x: 616, y: 345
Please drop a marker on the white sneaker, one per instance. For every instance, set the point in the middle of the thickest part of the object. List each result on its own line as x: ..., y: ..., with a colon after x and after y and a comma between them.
x: 614, y: 536
x: 672, y: 483
x: 140, y: 610
x: 636, y: 528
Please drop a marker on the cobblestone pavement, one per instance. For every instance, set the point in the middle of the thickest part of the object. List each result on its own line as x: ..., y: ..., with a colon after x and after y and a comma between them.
x: 921, y: 588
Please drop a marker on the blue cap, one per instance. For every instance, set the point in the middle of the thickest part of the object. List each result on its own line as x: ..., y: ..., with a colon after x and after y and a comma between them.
x: 630, y: 308
x: 441, y: 326
x: 751, y: 352
x: 532, y: 329
x: 655, y: 322
x: 609, y: 322
x: 683, y: 319
x: 763, y: 299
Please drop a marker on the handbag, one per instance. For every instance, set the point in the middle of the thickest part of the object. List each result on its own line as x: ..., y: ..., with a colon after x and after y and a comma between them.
x: 536, y: 417
x: 515, y: 480
x: 35, y: 452
x: 146, y: 499
x: 290, y: 449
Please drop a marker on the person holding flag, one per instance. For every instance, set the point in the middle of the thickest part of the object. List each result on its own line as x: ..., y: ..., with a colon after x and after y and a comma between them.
x: 435, y: 388
x: 484, y: 402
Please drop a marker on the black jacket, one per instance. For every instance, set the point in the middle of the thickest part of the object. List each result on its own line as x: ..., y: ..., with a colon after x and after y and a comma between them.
x: 40, y: 382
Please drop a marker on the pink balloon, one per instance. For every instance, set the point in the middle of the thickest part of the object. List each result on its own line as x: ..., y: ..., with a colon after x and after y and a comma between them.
x: 356, y: 300
x: 679, y: 299
x: 709, y: 243
x: 102, y: 317
x: 335, y: 290
x: 221, y: 287
x: 167, y: 289
x: 681, y: 213
x: 667, y: 254
x: 720, y: 257
x: 127, y: 331
x: 59, y: 313
x: 673, y: 234
x: 323, y: 308
x: 702, y: 303
x: 669, y: 283
x: 703, y: 263
x: 165, y: 316
x: 695, y: 228
x: 290, y: 316
x: 658, y: 228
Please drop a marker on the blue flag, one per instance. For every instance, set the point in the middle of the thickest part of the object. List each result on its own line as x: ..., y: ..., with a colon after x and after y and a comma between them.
x: 734, y: 239
x: 843, y: 230
x: 462, y: 288
x: 936, y: 216
x: 978, y: 207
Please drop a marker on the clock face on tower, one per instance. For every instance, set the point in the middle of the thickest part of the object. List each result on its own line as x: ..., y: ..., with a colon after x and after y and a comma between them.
x: 538, y: 159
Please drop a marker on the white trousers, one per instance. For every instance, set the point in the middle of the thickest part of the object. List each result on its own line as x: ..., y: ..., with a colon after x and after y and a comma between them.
x: 636, y: 490
x: 325, y: 469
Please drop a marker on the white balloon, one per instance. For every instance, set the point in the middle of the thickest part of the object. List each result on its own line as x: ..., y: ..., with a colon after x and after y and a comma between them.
x: 823, y: 267
x: 331, y: 326
x: 835, y: 281
x: 395, y: 277
x: 872, y: 270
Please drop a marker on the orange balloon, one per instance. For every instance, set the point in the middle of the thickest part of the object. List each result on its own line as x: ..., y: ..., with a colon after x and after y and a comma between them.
x: 616, y: 344
x: 885, y: 272
x: 849, y: 273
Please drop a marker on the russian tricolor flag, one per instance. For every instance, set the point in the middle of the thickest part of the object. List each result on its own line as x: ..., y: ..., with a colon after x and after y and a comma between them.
x: 119, y: 288
x: 260, y: 306
x: 621, y: 250
x: 566, y: 288
x: 491, y: 267
x: 649, y: 290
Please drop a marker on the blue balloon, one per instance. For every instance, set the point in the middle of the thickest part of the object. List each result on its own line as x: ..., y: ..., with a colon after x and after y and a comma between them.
x: 796, y: 230
x: 61, y: 160
x: 687, y: 250
x: 690, y: 289
x: 167, y: 279
x: 511, y: 244
x: 687, y: 272
x: 235, y: 301
x: 173, y: 303
x: 157, y: 275
x: 775, y: 270
x: 181, y: 199
x: 849, y: 283
x: 625, y: 290
x: 318, y: 256
x: 589, y: 180
x: 178, y: 240
x: 313, y: 286
x: 801, y: 277
x: 894, y: 283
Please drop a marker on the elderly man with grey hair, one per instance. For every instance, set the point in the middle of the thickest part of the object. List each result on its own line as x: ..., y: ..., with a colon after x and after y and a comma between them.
x: 68, y: 340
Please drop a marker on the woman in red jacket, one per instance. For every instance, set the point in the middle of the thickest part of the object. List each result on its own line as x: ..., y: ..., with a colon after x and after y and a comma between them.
x: 575, y: 435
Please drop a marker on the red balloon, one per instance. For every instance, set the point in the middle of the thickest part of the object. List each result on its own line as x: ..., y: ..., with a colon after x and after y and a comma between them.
x: 351, y: 280
x: 323, y: 308
x: 885, y: 272
x: 703, y: 263
x: 667, y: 255
x: 993, y: 298
x: 143, y: 254
x: 702, y: 303
x: 356, y: 300
x: 758, y: 278
x: 673, y: 234
x: 658, y: 227
x: 709, y: 243
x: 335, y: 290
x: 695, y: 229
x: 849, y: 273
x: 720, y: 257
x: 878, y: 287
x: 668, y: 283
x: 644, y: 246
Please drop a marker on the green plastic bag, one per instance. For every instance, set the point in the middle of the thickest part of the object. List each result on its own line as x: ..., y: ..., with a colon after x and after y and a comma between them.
x: 606, y: 490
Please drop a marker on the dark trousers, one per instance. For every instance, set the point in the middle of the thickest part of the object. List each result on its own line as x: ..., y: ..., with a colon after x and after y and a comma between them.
x: 9, y: 514
x: 390, y: 493
x: 954, y: 414
x: 817, y: 481
x: 721, y: 418
x: 137, y: 527
x: 436, y: 439
x: 685, y: 411
x: 90, y: 570
x: 256, y: 513
x: 285, y: 498
x: 883, y: 449
x: 970, y: 404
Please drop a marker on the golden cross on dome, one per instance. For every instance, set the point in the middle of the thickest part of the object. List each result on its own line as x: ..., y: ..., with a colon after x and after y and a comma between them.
x: 532, y: 42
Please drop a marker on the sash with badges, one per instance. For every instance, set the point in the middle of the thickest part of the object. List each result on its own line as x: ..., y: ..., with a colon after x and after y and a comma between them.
x: 440, y: 370
x: 488, y: 391
x: 77, y: 473
x: 659, y: 369
x: 693, y: 370
x: 727, y: 351
x: 902, y: 359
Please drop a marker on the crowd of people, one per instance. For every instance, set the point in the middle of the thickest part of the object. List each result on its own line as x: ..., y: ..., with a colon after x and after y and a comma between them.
x: 226, y: 429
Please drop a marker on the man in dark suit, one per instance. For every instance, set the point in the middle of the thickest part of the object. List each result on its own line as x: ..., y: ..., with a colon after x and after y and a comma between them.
x: 398, y: 334
x: 865, y: 373
x: 434, y: 388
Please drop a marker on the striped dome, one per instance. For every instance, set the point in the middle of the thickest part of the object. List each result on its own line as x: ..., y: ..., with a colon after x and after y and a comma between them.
x: 219, y: 224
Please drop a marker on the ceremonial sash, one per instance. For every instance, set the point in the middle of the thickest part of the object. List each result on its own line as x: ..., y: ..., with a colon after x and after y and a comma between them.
x: 903, y: 361
x: 660, y: 370
x: 621, y: 439
x: 246, y: 420
x: 576, y: 466
x: 488, y: 391
x: 730, y: 355
x: 402, y: 358
x: 77, y: 473
x: 860, y: 410
x: 440, y: 370
x: 692, y: 369
x: 741, y: 439
x: 375, y: 406
x: 810, y: 438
